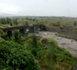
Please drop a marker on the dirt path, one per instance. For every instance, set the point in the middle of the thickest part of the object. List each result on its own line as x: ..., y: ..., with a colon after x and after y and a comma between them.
x: 68, y: 44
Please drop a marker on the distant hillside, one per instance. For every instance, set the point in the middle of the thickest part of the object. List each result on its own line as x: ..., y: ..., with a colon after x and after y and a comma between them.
x: 5, y: 14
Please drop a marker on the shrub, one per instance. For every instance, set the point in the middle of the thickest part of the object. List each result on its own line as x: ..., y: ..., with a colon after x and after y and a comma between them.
x: 34, y: 53
x: 14, y: 56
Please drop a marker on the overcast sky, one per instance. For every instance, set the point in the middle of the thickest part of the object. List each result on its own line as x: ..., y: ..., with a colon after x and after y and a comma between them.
x: 39, y: 7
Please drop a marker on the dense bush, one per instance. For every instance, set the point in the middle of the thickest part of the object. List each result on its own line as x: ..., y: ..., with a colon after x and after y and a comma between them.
x: 14, y: 56
x: 34, y: 53
x: 49, y: 55
x: 55, y: 58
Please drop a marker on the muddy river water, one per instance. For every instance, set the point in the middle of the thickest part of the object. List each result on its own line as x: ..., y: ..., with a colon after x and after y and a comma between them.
x: 69, y: 44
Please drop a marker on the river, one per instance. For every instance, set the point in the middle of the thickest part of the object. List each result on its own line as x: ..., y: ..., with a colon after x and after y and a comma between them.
x: 69, y: 44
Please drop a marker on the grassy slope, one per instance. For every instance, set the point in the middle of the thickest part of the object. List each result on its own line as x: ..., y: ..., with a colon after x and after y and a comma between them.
x: 51, y: 57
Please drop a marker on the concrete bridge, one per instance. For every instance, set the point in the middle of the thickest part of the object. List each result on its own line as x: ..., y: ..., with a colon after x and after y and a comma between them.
x: 23, y: 30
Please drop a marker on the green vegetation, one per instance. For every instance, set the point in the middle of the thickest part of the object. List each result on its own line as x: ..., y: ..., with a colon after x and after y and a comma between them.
x: 62, y: 25
x: 49, y: 21
x: 14, y: 56
x: 34, y: 53
x: 30, y: 52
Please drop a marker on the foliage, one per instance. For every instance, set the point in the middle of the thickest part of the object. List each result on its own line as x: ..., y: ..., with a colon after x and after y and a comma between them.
x: 34, y: 53
x: 49, y: 55
x: 55, y: 58
x: 15, y: 56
